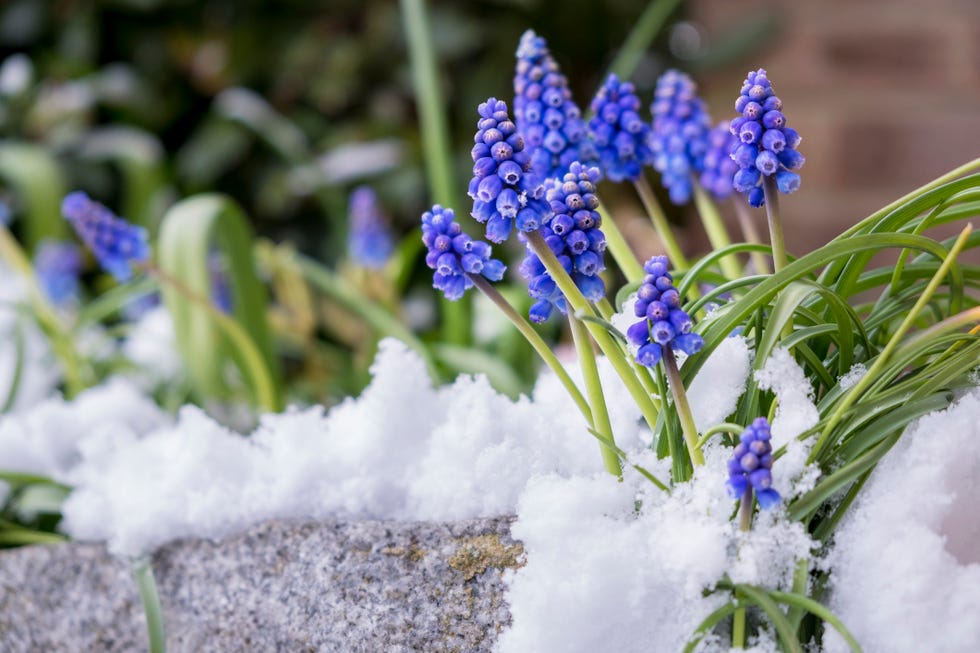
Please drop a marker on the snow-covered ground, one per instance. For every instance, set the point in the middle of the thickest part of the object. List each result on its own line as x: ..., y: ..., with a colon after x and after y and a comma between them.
x: 610, y: 566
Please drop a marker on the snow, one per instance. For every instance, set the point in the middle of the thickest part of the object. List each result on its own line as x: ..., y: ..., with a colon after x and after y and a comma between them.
x: 922, y: 588
x: 610, y: 565
x: 715, y: 390
x: 795, y: 414
x: 150, y: 344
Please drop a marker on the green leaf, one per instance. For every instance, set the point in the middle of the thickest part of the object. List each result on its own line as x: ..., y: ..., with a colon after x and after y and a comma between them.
x: 762, y: 598
x: 206, y: 338
x: 32, y: 172
x: 808, y: 604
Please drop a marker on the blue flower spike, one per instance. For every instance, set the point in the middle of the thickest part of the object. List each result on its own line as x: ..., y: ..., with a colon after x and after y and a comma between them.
x: 545, y: 112
x: 369, y: 241
x: 454, y: 255
x: 664, y: 323
x: 679, y: 139
x: 766, y: 146
x: 57, y: 265
x: 620, y: 135
x: 505, y: 192
x: 116, y: 244
x: 751, y: 464
x: 718, y: 168
x: 573, y: 233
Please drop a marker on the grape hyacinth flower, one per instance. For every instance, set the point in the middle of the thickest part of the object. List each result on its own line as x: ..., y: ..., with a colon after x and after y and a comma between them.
x: 454, y: 255
x: 116, y: 244
x: 767, y: 147
x: 664, y: 323
x: 751, y: 465
x: 621, y: 137
x: 369, y: 241
x: 717, y: 166
x: 57, y: 265
x: 573, y: 233
x: 545, y: 113
x: 505, y: 193
x: 679, y: 137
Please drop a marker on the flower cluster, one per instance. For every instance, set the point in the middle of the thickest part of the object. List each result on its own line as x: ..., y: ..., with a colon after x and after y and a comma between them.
x: 575, y: 237
x: 751, y: 465
x: 679, y: 136
x: 621, y: 137
x: 369, y: 241
x: 57, y: 265
x: 116, y: 244
x: 718, y: 168
x: 455, y: 256
x: 505, y: 193
x: 545, y: 113
x: 767, y: 147
x: 664, y: 323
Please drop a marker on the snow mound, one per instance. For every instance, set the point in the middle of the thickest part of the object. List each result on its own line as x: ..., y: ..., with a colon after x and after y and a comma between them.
x: 719, y: 383
x: 905, y: 568
x: 602, y: 575
x: 402, y: 450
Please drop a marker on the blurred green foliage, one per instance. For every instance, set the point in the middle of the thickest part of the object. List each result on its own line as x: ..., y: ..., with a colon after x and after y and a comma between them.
x: 283, y: 105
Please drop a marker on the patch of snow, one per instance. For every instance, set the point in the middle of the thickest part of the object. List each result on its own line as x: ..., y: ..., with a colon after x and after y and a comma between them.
x: 719, y: 383
x: 402, y: 450
x: 795, y: 413
x: 151, y: 344
x: 49, y: 438
x: 905, y: 567
x: 602, y: 576
x: 855, y: 374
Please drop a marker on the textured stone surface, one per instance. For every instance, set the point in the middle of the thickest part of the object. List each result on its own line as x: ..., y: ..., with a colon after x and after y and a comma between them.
x: 332, y: 586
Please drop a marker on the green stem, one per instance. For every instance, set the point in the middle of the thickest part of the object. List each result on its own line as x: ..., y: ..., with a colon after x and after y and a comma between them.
x: 143, y: 574
x: 605, y: 341
x: 61, y: 342
x: 884, y: 356
x: 628, y: 264
x: 714, y: 226
x: 779, y: 259
x: 725, y: 427
x: 435, y: 140
x: 646, y: 28
x: 374, y: 315
x: 683, y: 407
x: 590, y: 373
x: 744, y: 525
x: 738, y: 628
x: 254, y: 365
x: 751, y: 234
x: 677, y: 259
x: 536, y: 341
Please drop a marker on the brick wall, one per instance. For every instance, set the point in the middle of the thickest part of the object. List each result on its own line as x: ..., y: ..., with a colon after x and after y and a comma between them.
x: 886, y: 94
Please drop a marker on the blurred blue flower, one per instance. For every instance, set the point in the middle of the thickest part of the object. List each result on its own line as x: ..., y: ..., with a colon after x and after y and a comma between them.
x: 369, y: 241
x: 621, y: 137
x: 57, y: 265
x: 680, y: 132
x: 116, y: 244
x: 718, y: 168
